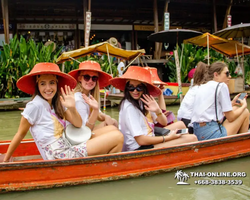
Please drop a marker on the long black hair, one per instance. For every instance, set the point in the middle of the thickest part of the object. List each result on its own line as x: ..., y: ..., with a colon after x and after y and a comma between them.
x: 134, y: 101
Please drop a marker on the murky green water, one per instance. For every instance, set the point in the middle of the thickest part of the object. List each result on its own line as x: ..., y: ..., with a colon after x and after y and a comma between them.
x: 157, y: 187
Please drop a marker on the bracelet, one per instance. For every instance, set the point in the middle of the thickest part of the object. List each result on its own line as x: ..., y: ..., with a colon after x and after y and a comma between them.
x: 92, y: 124
x: 158, y: 114
x: 163, y: 139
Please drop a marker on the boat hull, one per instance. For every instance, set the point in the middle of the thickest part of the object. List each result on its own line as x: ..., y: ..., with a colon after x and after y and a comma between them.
x: 39, y: 174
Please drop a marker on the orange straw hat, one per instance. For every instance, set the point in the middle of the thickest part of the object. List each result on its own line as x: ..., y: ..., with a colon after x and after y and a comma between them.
x: 139, y: 74
x: 27, y: 83
x: 154, y: 75
x: 92, y: 66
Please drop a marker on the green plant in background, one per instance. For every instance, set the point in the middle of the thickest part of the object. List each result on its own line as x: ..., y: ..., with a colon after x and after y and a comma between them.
x: 193, y: 54
x: 18, y: 58
x: 190, y: 57
x: 247, y: 69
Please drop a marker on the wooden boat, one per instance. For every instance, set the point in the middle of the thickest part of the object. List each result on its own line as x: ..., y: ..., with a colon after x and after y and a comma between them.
x: 116, y: 98
x: 13, y: 104
x: 28, y: 171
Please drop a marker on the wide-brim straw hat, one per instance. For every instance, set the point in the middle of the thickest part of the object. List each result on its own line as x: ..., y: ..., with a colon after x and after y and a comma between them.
x: 27, y: 83
x: 139, y: 74
x: 154, y: 75
x: 92, y: 66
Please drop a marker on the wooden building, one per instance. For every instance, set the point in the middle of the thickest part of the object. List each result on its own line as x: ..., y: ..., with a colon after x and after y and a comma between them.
x: 130, y: 21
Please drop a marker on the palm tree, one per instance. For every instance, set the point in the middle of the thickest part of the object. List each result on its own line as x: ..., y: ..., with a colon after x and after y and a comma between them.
x: 178, y: 175
x: 185, y: 176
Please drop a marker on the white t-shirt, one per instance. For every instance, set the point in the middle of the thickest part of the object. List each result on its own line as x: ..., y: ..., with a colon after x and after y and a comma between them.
x: 186, y: 108
x: 204, y: 104
x: 45, y: 127
x: 132, y: 123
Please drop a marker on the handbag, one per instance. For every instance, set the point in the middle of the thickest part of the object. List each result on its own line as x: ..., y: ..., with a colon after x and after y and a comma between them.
x: 158, y: 131
x: 77, y: 135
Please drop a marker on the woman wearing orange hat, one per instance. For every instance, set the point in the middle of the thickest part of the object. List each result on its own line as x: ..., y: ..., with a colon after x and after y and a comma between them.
x: 139, y: 111
x: 90, y: 78
x: 44, y: 115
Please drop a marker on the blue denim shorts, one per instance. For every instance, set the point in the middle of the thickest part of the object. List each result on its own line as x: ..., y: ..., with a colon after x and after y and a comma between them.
x: 211, y: 130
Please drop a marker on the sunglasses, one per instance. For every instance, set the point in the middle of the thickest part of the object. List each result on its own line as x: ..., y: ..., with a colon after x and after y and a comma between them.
x: 87, y: 77
x: 227, y: 73
x: 131, y: 88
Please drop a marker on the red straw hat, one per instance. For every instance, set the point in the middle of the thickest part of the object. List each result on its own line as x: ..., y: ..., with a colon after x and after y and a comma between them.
x: 139, y: 74
x: 27, y: 83
x: 154, y: 75
x: 92, y: 66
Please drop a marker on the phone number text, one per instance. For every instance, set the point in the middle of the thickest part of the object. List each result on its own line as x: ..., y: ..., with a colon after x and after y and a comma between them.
x: 218, y: 182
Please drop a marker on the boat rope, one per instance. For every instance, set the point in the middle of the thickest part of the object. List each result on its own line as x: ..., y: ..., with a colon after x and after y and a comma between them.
x: 74, y: 59
x: 132, y: 61
x: 178, y: 97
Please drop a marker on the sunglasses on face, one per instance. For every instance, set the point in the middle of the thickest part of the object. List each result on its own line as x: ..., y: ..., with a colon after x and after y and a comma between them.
x: 227, y: 73
x: 131, y: 88
x: 87, y: 77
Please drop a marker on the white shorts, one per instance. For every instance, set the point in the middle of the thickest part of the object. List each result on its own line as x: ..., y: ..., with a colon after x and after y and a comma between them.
x: 62, y: 149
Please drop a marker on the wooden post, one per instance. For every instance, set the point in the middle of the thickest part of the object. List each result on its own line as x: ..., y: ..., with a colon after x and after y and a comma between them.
x: 242, y: 63
x: 208, y: 59
x: 227, y: 13
x: 76, y: 38
x: 5, y: 12
x: 156, y: 29
x: 89, y: 6
x: 63, y: 66
x: 178, y: 71
x: 133, y: 39
x: 215, y: 16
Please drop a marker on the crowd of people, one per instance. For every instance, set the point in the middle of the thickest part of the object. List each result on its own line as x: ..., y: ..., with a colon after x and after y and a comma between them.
x: 60, y: 100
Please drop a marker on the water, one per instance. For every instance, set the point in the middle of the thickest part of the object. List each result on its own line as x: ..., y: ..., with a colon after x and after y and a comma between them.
x: 157, y: 187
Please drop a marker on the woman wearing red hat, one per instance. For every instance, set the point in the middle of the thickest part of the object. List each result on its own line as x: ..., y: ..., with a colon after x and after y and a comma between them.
x: 44, y: 115
x: 90, y: 78
x: 139, y: 111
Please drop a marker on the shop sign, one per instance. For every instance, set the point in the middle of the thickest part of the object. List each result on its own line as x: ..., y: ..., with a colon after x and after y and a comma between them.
x: 88, y: 27
x: 46, y: 26
x: 2, y: 27
x: 229, y: 20
x: 143, y: 28
x: 166, y: 21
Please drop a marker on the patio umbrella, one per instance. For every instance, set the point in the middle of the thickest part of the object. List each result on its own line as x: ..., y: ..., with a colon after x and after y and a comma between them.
x: 229, y: 48
x: 236, y: 31
x: 174, y: 36
x: 103, y: 48
x: 206, y: 40
x: 232, y: 48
